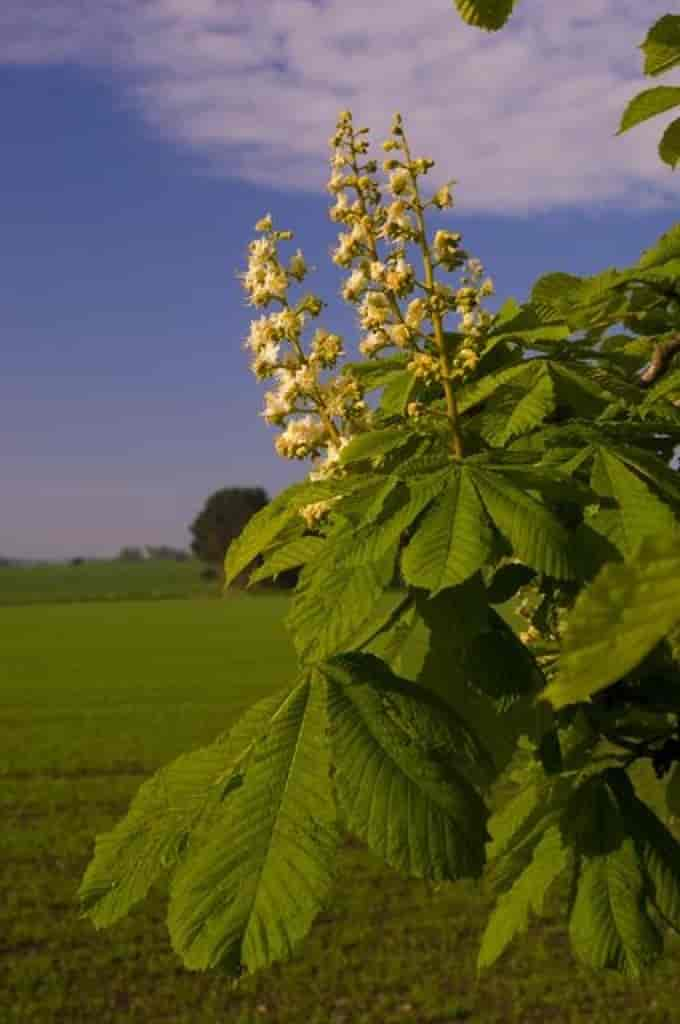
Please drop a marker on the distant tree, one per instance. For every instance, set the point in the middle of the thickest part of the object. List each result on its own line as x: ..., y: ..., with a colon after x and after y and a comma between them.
x: 221, y: 520
x: 163, y: 551
x: 131, y: 554
x: 76, y: 561
x: 5, y: 562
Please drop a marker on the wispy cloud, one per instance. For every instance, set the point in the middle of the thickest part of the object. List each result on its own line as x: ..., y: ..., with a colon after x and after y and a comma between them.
x: 523, y: 119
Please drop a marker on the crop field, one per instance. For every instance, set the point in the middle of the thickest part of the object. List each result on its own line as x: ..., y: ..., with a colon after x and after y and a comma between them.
x: 104, y: 580
x: 94, y: 696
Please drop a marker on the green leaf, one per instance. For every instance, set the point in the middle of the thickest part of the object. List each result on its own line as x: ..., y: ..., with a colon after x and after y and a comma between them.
x: 448, y: 626
x: 666, y: 386
x: 265, y: 526
x: 326, y: 617
x: 538, y: 539
x: 489, y: 15
x: 578, y: 388
x: 650, y: 466
x: 618, y: 620
x: 397, y: 393
x: 506, y: 823
x: 673, y: 792
x: 297, y: 552
x: 665, y: 249
x: 388, y: 642
x: 669, y: 147
x: 498, y: 663
x: 641, y: 513
x: 402, y: 506
x: 649, y: 103
x: 374, y: 443
x: 510, y: 916
x: 659, y: 854
x: 609, y: 926
x: 523, y: 375
x: 249, y: 894
x: 662, y: 45
x: 376, y: 373
x: 536, y: 405
x: 453, y: 539
x: 397, y: 752
x: 163, y: 816
x: 553, y: 294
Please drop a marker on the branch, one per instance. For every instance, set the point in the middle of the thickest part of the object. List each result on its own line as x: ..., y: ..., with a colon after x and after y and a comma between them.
x: 658, y: 364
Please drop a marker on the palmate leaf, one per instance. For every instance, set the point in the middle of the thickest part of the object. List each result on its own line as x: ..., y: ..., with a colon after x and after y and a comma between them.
x: 554, y: 294
x: 265, y: 526
x: 523, y: 375
x: 537, y: 538
x: 664, y: 388
x: 609, y: 923
x: 399, y: 755
x: 659, y: 854
x: 400, y: 507
x: 295, y: 553
x: 333, y: 610
x: 388, y: 641
x: 453, y: 540
x: 666, y: 248
x: 510, y: 916
x: 531, y: 409
x: 247, y: 896
x: 446, y: 630
x: 374, y: 443
x: 376, y: 373
x: 640, y: 512
x: 498, y: 663
x: 609, y: 926
x: 618, y: 620
x: 397, y: 393
x: 164, y: 814
x: 528, y: 326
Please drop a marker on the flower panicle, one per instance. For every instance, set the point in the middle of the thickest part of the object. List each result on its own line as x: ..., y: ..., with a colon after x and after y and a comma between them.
x: 319, y: 418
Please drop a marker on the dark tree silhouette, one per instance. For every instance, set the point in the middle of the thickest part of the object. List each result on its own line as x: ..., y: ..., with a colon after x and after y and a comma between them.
x: 221, y: 520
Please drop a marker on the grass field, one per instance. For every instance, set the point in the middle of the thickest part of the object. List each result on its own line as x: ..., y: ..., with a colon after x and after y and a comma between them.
x: 104, y: 580
x: 95, y: 696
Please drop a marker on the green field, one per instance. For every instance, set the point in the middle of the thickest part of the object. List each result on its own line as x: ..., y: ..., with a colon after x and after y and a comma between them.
x: 104, y: 580
x: 96, y: 695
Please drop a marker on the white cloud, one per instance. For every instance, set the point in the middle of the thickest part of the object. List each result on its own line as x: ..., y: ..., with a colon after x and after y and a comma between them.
x: 523, y: 119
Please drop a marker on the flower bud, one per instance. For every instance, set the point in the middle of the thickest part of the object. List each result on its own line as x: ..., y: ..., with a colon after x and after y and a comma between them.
x: 443, y: 198
x: 297, y: 267
x: 311, y: 304
x: 265, y: 223
x: 399, y: 334
x: 399, y: 180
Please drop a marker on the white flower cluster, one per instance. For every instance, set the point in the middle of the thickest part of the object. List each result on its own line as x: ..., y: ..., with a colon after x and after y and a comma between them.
x: 376, y: 284
x: 301, y: 403
x: 316, y: 511
x: 320, y: 417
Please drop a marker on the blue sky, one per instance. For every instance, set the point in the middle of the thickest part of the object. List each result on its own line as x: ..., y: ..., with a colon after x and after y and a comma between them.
x: 143, y: 140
